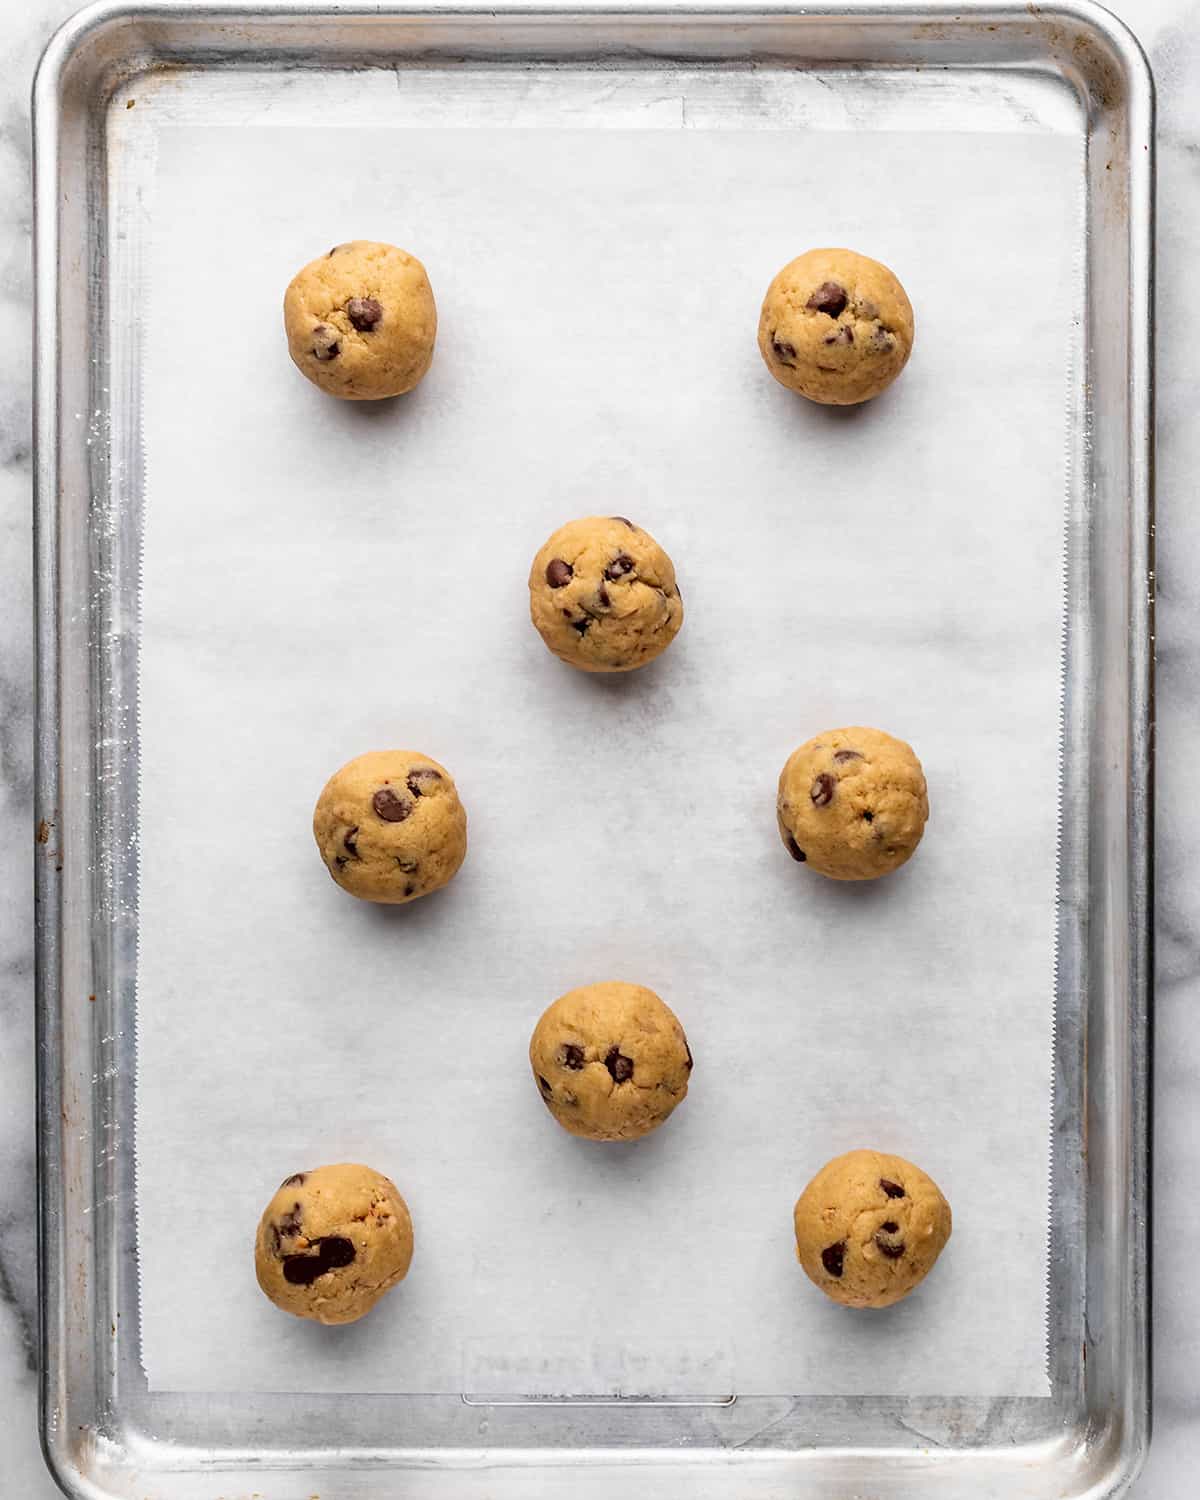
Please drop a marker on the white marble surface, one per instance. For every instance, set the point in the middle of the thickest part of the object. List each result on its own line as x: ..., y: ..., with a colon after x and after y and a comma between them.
x: 1170, y: 32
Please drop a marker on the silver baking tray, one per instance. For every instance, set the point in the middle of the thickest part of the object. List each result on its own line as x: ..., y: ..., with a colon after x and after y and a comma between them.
x: 105, y: 1432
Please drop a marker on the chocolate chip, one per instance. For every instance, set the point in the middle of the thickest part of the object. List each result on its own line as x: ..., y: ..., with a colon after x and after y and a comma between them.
x: 407, y: 864
x: 842, y: 756
x: 620, y: 1066
x: 782, y: 350
x: 844, y: 335
x: 422, y: 773
x: 890, y: 1226
x: 829, y: 298
x: 350, y: 841
x: 390, y: 806
x: 558, y: 572
x: 867, y: 309
x: 602, y: 598
x: 892, y: 1189
x: 295, y: 1180
x: 893, y: 1249
x: 583, y: 626
x: 690, y: 1063
x: 794, y: 849
x: 364, y: 313
x: 275, y: 1240
x: 326, y: 344
x: 341, y: 860
x: 833, y: 1257
x: 625, y: 521
x: 572, y: 1057
x: 410, y: 890
x: 289, y: 1223
x: 881, y: 340
x: 619, y: 567
x: 868, y: 815
x: 333, y: 1252
x: 823, y: 789
x: 544, y: 1085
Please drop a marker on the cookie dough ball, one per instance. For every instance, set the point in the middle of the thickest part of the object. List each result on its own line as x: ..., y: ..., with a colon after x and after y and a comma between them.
x: 869, y: 1228
x: 332, y: 1241
x: 361, y: 321
x: 836, y: 326
x: 602, y: 594
x: 852, y: 803
x: 610, y: 1060
x: 390, y: 826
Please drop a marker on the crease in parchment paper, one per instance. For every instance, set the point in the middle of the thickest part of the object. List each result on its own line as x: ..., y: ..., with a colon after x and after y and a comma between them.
x: 324, y: 578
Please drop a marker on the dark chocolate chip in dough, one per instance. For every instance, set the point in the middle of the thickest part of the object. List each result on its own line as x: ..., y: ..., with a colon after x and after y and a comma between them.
x: 602, y: 597
x: 844, y: 335
x: 409, y: 890
x: 326, y: 344
x: 544, y: 1085
x: 881, y: 340
x: 868, y: 815
x: 333, y: 1252
x: 794, y: 849
x: 823, y: 789
x: 583, y: 626
x: 390, y: 806
x: 620, y: 566
x: 422, y: 774
x: 833, y: 1257
x: 350, y: 841
x: 892, y: 1248
x: 782, y: 350
x: 407, y: 864
x: 289, y: 1223
x: 625, y: 521
x: 690, y: 1063
x: 828, y: 298
x: 297, y: 1179
x: 572, y: 1057
x: 559, y: 572
x: 364, y: 313
x: 842, y: 756
x: 892, y: 1189
x: 620, y: 1066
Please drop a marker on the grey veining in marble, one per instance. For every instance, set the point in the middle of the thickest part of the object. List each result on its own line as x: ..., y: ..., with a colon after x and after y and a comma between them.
x: 1170, y: 31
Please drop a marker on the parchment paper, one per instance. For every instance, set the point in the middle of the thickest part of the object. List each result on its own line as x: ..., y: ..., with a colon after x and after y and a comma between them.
x: 323, y: 578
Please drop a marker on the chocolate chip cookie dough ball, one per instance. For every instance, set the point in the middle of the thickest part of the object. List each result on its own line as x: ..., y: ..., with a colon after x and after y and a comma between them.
x: 361, y: 321
x: 852, y: 803
x: 869, y: 1228
x: 603, y: 596
x: 610, y: 1061
x: 390, y: 826
x: 836, y: 326
x: 332, y: 1241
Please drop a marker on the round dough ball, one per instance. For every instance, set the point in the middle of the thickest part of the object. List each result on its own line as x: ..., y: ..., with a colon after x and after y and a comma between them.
x: 610, y: 1061
x: 602, y: 594
x: 836, y: 326
x: 361, y: 321
x: 332, y: 1241
x: 390, y: 826
x: 852, y: 803
x: 869, y: 1228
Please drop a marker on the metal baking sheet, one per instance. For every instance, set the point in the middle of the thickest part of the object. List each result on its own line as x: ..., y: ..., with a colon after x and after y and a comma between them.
x: 886, y: 69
